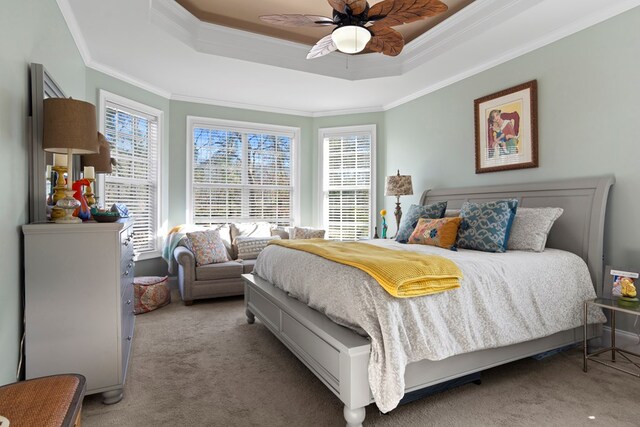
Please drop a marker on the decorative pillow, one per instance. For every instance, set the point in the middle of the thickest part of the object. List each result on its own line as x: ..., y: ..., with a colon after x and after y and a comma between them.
x: 410, y: 219
x: 247, y: 229
x: 306, y: 233
x: 250, y: 247
x: 486, y: 226
x: 207, y: 247
x: 531, y: 227
x: 451, y: 213
x: 436, y: 232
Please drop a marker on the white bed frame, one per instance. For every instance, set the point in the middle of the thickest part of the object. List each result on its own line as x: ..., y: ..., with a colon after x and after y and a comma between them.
x: 339, y: 357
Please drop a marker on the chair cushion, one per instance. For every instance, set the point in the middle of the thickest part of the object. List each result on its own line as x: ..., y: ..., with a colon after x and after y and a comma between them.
x: 247, y: 265
x: 222, y: 270
x: 250, y: 247
x: 306, y: 233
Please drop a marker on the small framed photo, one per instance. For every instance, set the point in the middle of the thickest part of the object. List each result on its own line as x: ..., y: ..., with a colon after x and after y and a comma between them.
x: 507, y: 129
x: 619, y: 281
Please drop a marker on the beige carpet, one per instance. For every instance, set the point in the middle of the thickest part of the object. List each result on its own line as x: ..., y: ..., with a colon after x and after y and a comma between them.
x: 205, y: 366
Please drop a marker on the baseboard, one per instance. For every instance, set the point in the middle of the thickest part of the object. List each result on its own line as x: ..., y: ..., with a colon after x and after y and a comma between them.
x: 627, y: 340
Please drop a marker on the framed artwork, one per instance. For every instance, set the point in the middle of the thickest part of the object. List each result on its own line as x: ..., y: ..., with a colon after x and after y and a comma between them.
x: 506, y: 129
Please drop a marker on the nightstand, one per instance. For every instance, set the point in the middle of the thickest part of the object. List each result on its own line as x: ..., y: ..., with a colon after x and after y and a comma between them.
x: 613, y: 307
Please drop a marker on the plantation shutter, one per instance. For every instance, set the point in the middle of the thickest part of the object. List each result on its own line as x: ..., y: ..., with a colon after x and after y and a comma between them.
x: 133, y: 137
x: 348, y: 186
x: 241, y: 175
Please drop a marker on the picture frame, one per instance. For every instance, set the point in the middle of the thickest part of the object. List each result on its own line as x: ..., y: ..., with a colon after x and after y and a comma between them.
x: 613, y: 278
x: 506, y: 129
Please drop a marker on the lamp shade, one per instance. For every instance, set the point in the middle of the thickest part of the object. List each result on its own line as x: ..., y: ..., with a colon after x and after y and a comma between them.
x: 69, y: 126
x: 101, y: 161
x: 350, y: 38
x: 398, y: 185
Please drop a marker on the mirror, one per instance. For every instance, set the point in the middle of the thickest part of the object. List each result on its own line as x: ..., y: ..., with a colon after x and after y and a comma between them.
x: 42, y: 87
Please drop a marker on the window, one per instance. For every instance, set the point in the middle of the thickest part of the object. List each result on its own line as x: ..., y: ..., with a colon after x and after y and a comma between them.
x: 348, y: 181
x: 240, y: 171
x: 133, y: 131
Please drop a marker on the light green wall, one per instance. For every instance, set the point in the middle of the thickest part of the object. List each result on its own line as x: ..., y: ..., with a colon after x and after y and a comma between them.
x: 588, y: 123
x: 30, y: 31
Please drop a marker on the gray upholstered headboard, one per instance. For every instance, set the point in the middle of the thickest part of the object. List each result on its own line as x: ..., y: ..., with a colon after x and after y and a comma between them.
x: 580, y: 229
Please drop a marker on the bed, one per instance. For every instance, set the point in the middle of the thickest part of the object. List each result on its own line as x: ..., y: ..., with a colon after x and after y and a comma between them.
x: 340, y: 356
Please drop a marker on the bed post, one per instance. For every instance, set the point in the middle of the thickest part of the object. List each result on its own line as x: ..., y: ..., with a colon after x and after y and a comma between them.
x: 251, y: 318
x: 354, y: 417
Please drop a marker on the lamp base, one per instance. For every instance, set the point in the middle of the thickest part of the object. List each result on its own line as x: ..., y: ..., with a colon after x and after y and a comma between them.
x: 69, y: 204
x: 398, y: 214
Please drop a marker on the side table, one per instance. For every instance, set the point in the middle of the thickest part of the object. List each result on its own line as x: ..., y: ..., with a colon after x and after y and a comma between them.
x: 613, y: 307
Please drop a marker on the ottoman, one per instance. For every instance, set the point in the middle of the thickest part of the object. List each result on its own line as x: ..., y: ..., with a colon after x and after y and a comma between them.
x: 150, y: 292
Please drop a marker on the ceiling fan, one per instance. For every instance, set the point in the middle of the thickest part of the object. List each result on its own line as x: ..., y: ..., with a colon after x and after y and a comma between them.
x: 359, y: 26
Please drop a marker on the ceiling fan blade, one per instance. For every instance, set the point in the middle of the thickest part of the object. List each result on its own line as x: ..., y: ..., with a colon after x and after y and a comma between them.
x: 324, y: 46
x: 386, y: 41
x: 294, y: 20
x: 356, y: 6
x: 395, y: 12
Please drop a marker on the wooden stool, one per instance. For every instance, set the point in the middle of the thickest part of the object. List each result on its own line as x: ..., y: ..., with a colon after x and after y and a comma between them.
x: 54, y: 401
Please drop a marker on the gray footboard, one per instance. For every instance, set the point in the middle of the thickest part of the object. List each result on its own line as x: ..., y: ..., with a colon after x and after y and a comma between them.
x: 339, y: 357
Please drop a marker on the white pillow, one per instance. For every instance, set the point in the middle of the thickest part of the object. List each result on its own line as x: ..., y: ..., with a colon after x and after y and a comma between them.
x: 531, y: 227
x: 250, y: 247
x: 306, y: 233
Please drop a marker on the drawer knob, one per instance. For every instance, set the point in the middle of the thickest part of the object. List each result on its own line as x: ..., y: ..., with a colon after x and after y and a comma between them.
x: 126, y: 273
x: 130, y: 265
x: 129, y: 338
x: 126, y: 243
x: 128, y: 302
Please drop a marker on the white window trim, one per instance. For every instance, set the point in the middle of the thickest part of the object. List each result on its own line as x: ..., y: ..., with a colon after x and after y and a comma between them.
x: 161, y: 211
x: 339, y: 131
x: 193, y: 121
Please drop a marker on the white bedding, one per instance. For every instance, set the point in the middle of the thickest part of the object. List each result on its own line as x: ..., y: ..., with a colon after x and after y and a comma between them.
x: 503, y: 299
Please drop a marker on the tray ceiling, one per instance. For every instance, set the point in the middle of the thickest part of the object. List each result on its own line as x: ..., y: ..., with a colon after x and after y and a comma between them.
x: 159, y: 46
x: 244, y: 15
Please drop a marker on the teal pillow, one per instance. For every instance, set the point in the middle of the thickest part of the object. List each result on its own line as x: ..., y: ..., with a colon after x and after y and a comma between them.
x: 486, y: 226
x: 410, y: 219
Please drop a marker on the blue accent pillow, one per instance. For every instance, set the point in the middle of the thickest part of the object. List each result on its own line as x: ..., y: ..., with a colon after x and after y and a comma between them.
x: 409, y: 220
x: 486, y: 226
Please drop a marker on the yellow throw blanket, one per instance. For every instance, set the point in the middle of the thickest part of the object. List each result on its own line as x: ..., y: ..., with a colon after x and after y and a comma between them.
x: 402, y: 274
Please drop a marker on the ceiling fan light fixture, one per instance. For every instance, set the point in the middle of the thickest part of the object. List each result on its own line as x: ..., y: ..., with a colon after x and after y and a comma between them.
x: 351, y: 38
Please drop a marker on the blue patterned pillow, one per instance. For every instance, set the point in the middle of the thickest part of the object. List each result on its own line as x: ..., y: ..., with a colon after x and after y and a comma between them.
x: 486, y: 226
x: 409, y: 220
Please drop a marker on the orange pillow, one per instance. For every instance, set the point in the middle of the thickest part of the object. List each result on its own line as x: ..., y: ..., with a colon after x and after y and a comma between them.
x: 440, y: 232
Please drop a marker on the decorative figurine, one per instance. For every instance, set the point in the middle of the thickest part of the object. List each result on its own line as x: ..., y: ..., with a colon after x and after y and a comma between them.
x: 83, y: 211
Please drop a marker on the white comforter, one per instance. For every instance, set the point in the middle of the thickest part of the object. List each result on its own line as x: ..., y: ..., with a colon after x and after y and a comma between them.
x: 503, y: 299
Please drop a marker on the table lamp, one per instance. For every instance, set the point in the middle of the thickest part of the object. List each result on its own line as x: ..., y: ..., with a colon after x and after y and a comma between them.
x: 99, y: 162
x: 69, y: 128
x: 398, y: 185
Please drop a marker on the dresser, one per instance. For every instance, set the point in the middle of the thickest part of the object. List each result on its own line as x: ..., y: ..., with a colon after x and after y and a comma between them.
x: 79, y: 302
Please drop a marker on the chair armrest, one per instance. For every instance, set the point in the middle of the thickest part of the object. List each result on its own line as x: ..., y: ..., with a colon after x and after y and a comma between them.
x: 185, y: 257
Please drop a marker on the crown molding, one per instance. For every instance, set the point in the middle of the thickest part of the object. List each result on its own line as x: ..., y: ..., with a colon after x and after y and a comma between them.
x: 112, y: 72
x: 74, y: 29
x: 240, y: 105
x: 568, y: 30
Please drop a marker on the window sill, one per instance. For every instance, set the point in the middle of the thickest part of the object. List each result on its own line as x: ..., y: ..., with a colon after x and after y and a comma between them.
x: 147, y: 255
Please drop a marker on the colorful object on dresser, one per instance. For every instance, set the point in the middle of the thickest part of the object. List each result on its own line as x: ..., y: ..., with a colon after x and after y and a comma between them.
x: 486, y: 226
x: 402, y: 274
x: 82, y: 211
x: 436, y: 232
x: 150, y: 293
x: 383, y: 212
x: 410, y: 220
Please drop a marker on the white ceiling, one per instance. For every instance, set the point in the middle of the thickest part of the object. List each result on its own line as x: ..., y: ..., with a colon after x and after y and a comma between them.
x: 157, y: 45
